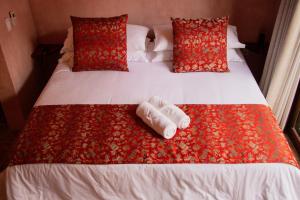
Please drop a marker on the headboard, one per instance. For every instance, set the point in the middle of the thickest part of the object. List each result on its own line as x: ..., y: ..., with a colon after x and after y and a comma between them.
x: 251, y: 16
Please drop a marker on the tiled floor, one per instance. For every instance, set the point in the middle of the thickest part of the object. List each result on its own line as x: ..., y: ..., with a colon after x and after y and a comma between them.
x: 7, y: 139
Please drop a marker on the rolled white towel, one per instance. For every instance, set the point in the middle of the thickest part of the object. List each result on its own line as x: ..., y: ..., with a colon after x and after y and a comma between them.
x: 156, y: 120
x: 158, y: 102
x: 174, y: 113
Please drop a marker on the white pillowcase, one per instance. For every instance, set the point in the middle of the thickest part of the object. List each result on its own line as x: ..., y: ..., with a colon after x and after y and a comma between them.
x: 233, y: 55
x: 136, y: 38
x: 232, y: 38
x: 160, y: 56
x: 68, y: 43
x: 137, y: 56
x: 132, y: 56
x: 67, y: 59
x: 164, y: 37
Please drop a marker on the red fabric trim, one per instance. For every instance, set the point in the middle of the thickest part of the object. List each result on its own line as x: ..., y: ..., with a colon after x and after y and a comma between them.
x: 109, y: 134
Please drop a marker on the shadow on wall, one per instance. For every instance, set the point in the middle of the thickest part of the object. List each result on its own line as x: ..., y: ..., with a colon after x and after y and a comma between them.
x: 9, y: 100
x: 17, y: 105
x: 255, y: 17
x: 31, y: 89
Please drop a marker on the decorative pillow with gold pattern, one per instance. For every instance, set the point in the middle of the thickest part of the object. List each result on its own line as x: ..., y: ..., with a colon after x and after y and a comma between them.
x: 200, y: 45
x: 100, y: 43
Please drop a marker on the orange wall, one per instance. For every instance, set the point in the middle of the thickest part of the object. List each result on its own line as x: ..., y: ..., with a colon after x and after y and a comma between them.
x: 17, y: 47
x: 254, y: 17
x: 251, y: 16
x: 48, y: 21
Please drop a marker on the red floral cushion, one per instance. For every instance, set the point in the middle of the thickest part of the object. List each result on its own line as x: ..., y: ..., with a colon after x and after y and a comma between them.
x: 100, y: 43
x: 200, y: 45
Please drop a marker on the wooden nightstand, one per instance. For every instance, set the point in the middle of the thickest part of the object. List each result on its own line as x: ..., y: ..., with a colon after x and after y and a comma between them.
x: 46, y: 58
x: 255, y: 55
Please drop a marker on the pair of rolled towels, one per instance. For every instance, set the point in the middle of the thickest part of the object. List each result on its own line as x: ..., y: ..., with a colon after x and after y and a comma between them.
x: 162, y: 116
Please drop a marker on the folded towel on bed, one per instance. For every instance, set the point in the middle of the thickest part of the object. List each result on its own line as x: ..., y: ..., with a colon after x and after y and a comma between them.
x: 156, y: 120
x: 174, y: 113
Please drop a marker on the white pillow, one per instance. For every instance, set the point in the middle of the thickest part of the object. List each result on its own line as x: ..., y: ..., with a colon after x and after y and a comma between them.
x: 164, y: 37
x: 137, y: 56
x: 233, y: 55
x: 136, y: 38
x: 160, y: 56
x: 132, y: 56
x: 232, y: 38
x: 68, y: 43
x: 67, y: 59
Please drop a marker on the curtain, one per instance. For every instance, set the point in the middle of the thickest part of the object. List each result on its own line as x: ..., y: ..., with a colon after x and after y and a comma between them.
x: 282, y: 70
x: 283, y: 19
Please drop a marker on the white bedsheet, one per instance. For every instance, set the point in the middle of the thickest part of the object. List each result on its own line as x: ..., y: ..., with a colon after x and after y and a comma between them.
x: 147, y: 79
x: 177, y: 181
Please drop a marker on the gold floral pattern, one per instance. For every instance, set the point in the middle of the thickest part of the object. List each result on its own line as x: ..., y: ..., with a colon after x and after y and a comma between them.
x: 110, y: 134
x: 100, y: 43
x: 200, y: 45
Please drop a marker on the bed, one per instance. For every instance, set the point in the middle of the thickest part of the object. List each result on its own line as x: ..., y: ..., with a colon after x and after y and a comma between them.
x: 152, y: 181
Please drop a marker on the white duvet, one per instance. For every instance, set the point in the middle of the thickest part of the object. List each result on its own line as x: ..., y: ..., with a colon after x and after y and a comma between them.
x: 145, y: 181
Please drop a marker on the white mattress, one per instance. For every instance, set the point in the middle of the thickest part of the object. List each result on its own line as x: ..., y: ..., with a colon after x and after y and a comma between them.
x: 144, y: 181
x: 147, y: 79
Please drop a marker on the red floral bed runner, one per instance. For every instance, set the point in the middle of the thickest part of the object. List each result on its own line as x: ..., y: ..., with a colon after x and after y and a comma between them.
x: 111, y: 134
